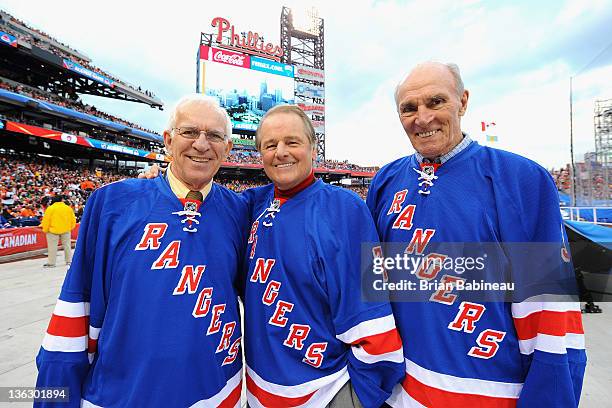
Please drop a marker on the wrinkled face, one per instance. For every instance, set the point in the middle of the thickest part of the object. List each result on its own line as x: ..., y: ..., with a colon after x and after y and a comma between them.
x: 285, y: 149
x: 430, y: 110
x: 195, y: 162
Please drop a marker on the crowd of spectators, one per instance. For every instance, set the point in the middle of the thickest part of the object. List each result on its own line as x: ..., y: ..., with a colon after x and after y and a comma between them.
x: 253, y: 157
x: 592, y: 186
x: 68, y: 103
x: 239, y: 185
x: 344, y: 165
x: 28, y: 182
x: 45, y: 41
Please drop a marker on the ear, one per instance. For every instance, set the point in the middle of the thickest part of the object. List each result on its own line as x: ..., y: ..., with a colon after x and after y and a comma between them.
x: 314, y: 153
x: 464, y: 102
x: 167, y: 141
x: 228, y: 147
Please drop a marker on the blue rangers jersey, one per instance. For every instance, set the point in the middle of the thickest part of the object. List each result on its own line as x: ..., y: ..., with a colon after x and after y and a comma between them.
x: 148, y: 313
x: 461, y: 353
x: 306, y: 329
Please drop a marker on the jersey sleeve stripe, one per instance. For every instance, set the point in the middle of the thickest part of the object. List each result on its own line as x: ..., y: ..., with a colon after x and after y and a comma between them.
x: 297, y: 390
x: 94, y: 332
x: 534, y: 305
x: 552, y: 344
x: 435, y: 397
x: 65, y: 344
x: 272, y: 400
x: 227, y: 397
x: 92, y: 345
x: 548, y: 322
x: 367, y: 328
x: 71, y: 309
x: 401, y: 399
x: 395, y: 356
x: 462, y: 385
x: 68, y: 326
x: 381, y: 343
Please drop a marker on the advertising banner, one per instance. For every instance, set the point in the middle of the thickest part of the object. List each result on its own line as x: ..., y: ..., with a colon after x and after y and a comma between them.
x: 319, y: 126
x: 6, y: 38
x: 304, y: 72
x: 80, y: 140
x: 243, y: 142
x: 17, y: 240
x: 273, y: 67
x: 312, y: 108
x: 73, y: 66
x: 46, y: 133
x: 246, y: 94
x: 236, y: 59
x: 309, y: 90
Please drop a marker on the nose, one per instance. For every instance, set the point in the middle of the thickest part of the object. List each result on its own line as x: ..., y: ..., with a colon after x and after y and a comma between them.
x: 423, y: 116
x: 281, y: 150
x: 201, y: 143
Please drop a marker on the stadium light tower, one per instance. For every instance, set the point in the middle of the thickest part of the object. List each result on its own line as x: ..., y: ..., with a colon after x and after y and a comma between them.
x: 302, y: 41
x: 306, y: 21
x: 302, y: 38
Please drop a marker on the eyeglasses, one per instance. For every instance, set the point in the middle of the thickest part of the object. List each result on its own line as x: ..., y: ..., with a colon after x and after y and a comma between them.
x: 194, y: 133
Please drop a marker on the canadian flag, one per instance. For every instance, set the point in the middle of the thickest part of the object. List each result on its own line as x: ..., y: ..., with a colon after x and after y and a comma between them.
x: 486, y: 125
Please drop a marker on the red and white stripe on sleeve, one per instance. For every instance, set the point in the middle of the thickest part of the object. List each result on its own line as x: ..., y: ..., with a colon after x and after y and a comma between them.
x: 427, y: 388
x: 68, y: 328
x: 377, y: 340
x: 548, y: 324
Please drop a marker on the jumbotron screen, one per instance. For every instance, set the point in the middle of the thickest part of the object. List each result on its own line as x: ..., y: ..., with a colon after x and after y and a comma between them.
x: 246, y: 86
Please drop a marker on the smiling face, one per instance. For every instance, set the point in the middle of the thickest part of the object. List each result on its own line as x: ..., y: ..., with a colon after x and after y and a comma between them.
x: 195, y: 162
x: 286, y: 151
x: 430, y: 109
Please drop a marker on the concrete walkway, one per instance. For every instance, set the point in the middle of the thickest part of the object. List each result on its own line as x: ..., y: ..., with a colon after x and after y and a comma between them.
x: 28, y: 294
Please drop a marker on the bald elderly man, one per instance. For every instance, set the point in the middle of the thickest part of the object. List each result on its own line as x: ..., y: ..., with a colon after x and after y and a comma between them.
x: 460, y: 350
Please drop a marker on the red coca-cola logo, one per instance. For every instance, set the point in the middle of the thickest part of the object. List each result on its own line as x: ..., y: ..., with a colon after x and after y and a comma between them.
x: 233, y: 59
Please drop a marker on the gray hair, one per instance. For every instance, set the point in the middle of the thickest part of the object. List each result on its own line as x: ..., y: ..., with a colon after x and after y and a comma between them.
x: 290, y: 109
x: 453, y: 69
x: 204, y: 100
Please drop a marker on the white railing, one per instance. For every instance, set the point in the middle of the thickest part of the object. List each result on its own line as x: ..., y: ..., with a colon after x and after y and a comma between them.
x: 574, y: 214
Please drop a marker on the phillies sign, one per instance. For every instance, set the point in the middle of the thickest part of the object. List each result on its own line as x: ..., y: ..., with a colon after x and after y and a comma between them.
x: 250, y: 42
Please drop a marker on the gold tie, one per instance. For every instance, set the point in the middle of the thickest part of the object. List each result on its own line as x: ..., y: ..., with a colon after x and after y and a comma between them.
x: 194, y: 195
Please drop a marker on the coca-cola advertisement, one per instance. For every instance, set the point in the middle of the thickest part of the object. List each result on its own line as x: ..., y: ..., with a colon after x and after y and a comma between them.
x: 225, y: 57
x: 247, y: 87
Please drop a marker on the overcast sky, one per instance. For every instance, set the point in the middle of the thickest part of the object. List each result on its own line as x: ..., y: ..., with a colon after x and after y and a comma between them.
x: 516, y: 59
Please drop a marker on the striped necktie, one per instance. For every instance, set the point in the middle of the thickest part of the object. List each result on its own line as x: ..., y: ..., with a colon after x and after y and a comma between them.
x: 194, y: 195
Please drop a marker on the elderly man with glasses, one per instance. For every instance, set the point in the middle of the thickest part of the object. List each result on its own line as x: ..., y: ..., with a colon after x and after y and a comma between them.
x: 148, y: 313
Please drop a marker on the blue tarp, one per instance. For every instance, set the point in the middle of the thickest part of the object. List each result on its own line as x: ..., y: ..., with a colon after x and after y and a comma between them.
x: 603, y: 214
x: 51, y: 107
x: 597, y: 233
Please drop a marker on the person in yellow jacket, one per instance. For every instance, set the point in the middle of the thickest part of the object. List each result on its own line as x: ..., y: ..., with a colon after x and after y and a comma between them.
x: 58, y: 220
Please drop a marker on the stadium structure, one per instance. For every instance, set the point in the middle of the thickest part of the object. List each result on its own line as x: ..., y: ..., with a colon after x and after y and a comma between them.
x: 44, y: 122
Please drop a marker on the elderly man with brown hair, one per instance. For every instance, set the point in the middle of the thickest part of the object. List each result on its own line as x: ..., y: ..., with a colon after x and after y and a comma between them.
x: 310, y: 339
